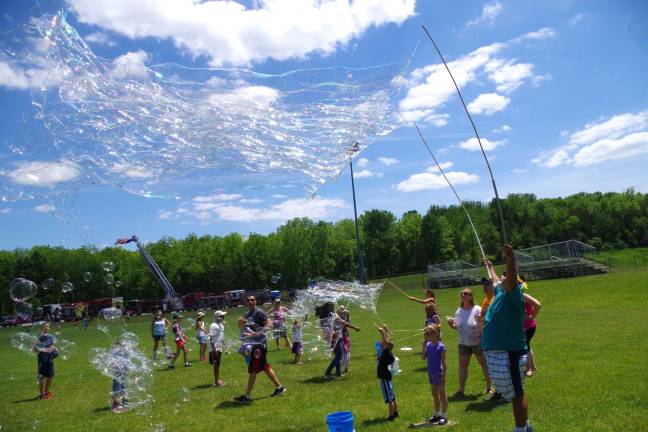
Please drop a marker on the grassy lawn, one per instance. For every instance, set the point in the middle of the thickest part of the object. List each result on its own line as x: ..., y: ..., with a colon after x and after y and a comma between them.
x: 590, y: 350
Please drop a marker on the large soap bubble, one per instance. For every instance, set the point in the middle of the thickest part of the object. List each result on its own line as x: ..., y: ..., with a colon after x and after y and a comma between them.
x: 67, y: 287
x: 109, y: 278
x: 24, y: 309
x: 87, y: 276
x: 48, y: 284
x: 110, y: 314
x: 24, y: 342
x: 108, y: 266
x: 167, y: 130
x: 22, y: 289
x: 127, y: 365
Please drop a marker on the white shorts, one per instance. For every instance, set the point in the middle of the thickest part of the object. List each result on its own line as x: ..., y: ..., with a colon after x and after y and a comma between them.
x: 507, y: 370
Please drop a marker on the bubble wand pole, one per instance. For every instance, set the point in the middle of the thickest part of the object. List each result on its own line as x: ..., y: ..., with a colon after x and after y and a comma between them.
x: 481, y: 249
x: 497, y: 198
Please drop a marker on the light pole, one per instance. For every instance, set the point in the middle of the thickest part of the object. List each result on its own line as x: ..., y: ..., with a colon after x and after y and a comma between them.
x: 361, y: 273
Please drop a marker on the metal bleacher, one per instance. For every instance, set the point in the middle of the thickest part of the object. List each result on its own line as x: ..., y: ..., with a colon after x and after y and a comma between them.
x: 559, y: 260
x: 452, y: 274
x: 556, y: 260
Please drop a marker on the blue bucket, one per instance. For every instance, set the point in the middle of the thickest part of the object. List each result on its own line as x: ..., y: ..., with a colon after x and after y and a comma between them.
x: 340, y: 421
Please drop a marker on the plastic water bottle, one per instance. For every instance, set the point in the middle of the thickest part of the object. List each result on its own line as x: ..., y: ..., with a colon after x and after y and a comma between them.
x: 395, y: 367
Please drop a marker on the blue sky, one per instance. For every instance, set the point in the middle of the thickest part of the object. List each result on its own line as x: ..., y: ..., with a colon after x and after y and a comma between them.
x: 557, y: 90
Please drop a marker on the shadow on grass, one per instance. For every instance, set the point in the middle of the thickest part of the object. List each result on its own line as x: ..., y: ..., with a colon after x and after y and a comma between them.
x: 231, y: 404
x: 458, y: 398
x: 202, y: 386
x: 485, y: 405
x: 376, y: 421
x: 318, y: 380
x: 34, y: 399
x: 102, y: 409
x: 234, y: 404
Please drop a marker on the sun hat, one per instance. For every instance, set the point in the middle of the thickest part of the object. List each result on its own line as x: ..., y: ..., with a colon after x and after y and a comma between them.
x: 219, y: 313
x: 200, y: 314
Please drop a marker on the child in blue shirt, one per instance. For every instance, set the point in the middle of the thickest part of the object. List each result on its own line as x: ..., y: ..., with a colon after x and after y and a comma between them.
x: 46, y: 352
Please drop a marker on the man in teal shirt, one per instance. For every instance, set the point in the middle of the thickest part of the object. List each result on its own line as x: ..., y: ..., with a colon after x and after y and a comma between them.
x: 504, y: 341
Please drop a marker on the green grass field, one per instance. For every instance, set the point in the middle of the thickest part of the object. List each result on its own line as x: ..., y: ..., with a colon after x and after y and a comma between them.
x: 590, y: 350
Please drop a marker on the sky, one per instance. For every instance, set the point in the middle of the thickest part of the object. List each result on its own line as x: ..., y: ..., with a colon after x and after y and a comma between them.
x: 557, y: 91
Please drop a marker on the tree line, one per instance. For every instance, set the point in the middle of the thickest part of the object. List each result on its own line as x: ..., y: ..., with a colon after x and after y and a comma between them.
x: 302, y: 248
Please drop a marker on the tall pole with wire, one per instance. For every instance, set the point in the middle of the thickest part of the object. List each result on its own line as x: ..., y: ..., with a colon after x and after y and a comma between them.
x: 361, y: 271
x: 490, y: 171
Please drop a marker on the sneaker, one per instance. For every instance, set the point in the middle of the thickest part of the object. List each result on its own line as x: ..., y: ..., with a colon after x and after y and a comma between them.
x: 434, y: 420
x: 47, y: 395
x: 529, y: 428
x: 390, y: 418
x: 442, y: 421
x: 278, y: 391
x: 458, y: 394
x: 171, y: 367
x: 188, y: 364
x: 117, y: 408
x: 243, y: 399
x: 396, y: 414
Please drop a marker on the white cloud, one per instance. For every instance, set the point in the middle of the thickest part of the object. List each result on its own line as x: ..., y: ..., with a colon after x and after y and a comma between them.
x: 363, y: 174
x: 543, y: 33
x: 488, y: 104
x: 44, y: 174
x: 250, y: 201
x: 608, y: 149
x: 387, y: 161
x: 510, y: 75
x: 45, y: 208
x: 503, y: 128
x: 228, y: 32
x: 166, y: 215
x: 12, y: 78
x: 5, y: 210
x: 576, y: 19
x: 100, y: 38
x: 317, y: 208
x: 131, y: 171
x: 217, y: 197
x: 131, y: 64
x: 362, y: 162
x: 278, y: 196
x: 247, y: 96
x: 473, y: 145
x: 618, y: 137
x: 444, y: 166
x: 490, y: 11
x: 428, y: 180
x: 429, y: 88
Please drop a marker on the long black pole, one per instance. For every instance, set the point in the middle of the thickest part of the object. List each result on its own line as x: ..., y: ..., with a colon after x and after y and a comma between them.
x: 361, y: 272
x: 497, y: 198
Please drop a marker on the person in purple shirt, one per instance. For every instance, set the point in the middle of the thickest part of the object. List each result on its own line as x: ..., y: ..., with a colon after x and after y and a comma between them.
x: 435, y: 353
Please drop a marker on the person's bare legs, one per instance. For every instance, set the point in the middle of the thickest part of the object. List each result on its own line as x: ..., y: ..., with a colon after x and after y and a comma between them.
x: 436, y: 398
x: 48, y: 383
x: 155, y: 348
x: 272, y: 377
x: 520, y: 410
x: 531, y: 366
x: 41, y: 385
x: 250, y: 384
x: 184, y: 354
x: 482, y: 362
x: 464, y: 361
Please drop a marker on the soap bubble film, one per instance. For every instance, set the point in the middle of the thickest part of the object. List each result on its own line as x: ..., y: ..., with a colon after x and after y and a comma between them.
x: 164, y: 130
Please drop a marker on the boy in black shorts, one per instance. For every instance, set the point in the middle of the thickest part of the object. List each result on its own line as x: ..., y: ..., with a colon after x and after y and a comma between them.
x: 46, y: 352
